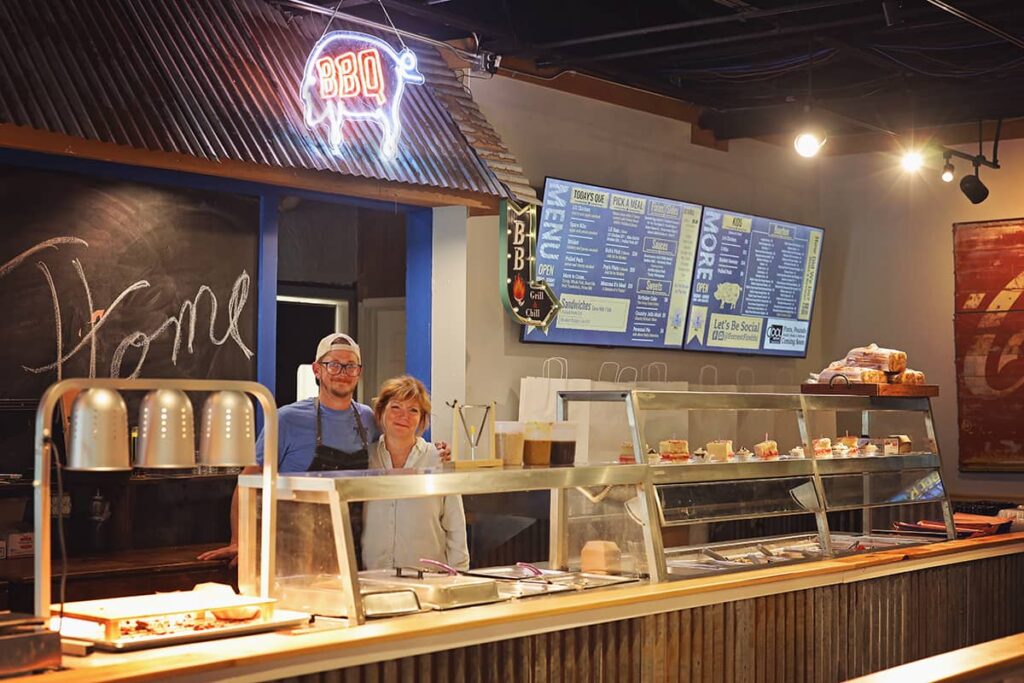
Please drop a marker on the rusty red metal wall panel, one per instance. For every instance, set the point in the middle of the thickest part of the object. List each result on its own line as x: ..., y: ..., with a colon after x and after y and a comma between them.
x: 989, y: 330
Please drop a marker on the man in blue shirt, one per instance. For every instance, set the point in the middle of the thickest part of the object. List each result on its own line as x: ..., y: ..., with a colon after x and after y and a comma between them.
x: 330, y: 432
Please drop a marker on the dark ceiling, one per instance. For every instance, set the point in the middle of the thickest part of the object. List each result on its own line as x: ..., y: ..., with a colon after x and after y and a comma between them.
x: 753, y: 65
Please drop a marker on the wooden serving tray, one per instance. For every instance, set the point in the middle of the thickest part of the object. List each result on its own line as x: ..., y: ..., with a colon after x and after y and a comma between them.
x: 489, y: 463
x: 843, y: 389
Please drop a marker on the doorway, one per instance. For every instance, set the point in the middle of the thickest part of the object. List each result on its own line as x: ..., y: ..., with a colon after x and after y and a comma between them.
x: 302, y: 321
x: 341, y: 268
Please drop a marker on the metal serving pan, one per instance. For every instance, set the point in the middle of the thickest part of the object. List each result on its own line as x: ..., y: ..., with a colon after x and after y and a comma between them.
x: 435, y: 590
x: 324, y: 594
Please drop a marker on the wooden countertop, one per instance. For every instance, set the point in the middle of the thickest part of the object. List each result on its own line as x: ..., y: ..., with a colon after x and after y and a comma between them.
x: 328, y: 646
x: 987, y: 661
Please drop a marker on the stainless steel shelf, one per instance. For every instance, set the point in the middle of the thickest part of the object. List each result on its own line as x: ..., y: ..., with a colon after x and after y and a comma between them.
x: 385, y: 485
x: 730, y: 471
x: 881, y: 463
x: 714, y: 400
x: 849, y: 403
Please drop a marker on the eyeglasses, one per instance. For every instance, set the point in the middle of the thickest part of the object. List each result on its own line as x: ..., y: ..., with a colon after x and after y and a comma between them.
x: 333, y: 367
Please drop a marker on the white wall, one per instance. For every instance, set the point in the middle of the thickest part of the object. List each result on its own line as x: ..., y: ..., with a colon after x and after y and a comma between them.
x: 891, y: 274
x: 557, y: 134
x: 887, y: 266
x: 448, y: 366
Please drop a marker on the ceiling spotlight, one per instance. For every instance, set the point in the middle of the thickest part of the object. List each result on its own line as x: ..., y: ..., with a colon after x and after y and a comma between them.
x: 948, y: 171
x: 973, y: 188
x: 808, y: 144
x: 912, y: 161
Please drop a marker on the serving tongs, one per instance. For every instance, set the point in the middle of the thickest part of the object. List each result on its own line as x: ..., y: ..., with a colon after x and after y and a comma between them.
x: 446, y: 569
x: 536, y: 574
x: 714, y: 555
x: 419, y: 572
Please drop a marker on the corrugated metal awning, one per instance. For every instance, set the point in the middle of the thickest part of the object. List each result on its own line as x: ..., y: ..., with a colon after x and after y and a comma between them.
x: 216, y: 79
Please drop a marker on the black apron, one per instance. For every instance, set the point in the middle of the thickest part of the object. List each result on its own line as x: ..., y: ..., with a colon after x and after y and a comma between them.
x: 327, y: 458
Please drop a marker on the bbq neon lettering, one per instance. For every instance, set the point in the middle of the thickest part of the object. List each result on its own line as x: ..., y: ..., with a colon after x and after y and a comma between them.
x: 352, y: 74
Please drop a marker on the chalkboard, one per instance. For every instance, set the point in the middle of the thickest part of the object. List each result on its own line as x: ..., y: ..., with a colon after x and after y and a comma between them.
x: 108, y: 278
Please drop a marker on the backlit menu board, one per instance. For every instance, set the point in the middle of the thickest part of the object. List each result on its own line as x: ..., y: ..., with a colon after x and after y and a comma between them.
x: 753, y: 285
x: 620, y: 264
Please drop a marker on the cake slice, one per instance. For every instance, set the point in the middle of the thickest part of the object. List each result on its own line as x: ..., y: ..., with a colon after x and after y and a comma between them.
x: 719, y: 451
x: 674, y: 449
x: 852, y: 443
x: 822, y: 447
x: 766, y: 450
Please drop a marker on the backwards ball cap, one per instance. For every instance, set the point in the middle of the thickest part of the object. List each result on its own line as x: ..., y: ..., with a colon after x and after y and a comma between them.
x: 337, y: 342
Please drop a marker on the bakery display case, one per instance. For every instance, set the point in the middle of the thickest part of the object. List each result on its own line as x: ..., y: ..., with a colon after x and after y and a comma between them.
x: 608, y: 523
x: 905, y: 476
x: 719, y: 484
x: 593, y: 541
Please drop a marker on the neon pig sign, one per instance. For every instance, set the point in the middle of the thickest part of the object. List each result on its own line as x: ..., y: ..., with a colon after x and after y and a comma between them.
x: 353, y: 76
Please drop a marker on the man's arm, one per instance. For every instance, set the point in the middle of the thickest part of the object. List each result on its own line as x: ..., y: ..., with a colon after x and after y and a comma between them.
x: 231, y: 550
x: 443, y: 451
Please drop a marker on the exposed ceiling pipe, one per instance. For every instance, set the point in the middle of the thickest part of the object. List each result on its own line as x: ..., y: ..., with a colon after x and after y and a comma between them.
x: 368, y: 23
x: 431, y: 13
x: 675, y: 47
x: 974, y: 21
x: 744, y: 15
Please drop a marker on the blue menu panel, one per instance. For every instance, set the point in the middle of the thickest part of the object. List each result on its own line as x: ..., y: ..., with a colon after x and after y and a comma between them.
x: 620, y: 264
x: 753, y: 285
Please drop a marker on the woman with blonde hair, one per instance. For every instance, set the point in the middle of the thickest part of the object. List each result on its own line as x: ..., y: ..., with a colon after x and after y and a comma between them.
x: 399, y: 533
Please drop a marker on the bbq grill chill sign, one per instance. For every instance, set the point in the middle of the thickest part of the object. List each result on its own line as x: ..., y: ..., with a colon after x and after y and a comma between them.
x: 353, y: 76
x: 528, y: 301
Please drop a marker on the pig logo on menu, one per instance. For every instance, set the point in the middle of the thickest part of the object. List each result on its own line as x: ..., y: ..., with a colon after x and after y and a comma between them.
x: 356, y: 77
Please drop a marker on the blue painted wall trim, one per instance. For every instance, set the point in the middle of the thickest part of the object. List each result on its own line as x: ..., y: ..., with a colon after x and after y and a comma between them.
x: 419, y: 239
x: 158, y: 176
x: 266, y: 297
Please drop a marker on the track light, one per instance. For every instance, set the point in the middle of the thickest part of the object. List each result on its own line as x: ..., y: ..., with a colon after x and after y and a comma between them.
x: 973, y: 188
x: 808, y: 143
x: 948, y: 171
x: 912, y: 161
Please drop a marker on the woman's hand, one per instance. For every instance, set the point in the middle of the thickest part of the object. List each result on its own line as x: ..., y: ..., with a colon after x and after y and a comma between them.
x: 229, y: 551
x: 443, y: 450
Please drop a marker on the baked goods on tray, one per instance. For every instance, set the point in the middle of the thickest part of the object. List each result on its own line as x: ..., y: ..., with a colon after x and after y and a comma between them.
x: 874, y: 357
x: 719, y: 451
x: 869, y: 364
x: 674, y: 450
x: 842, y: 374
x: 766, y: 450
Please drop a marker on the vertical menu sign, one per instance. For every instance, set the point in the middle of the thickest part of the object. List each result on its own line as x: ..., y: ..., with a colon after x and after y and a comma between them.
x: 753, y: 285
x: 620, y: 264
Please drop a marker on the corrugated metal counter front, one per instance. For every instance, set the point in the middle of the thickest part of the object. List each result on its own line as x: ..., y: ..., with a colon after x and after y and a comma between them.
x: 821, y: 621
